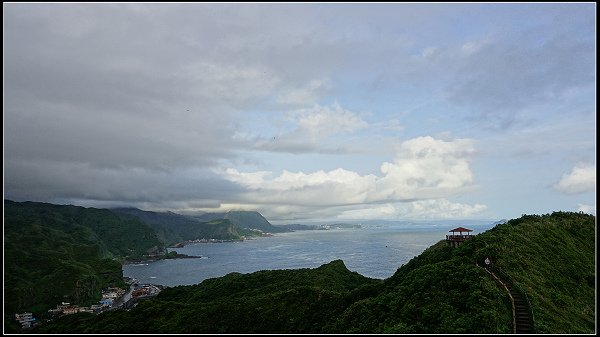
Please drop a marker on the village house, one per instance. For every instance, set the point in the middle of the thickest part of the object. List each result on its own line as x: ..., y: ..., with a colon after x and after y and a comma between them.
x: 65, y: 308
x: 112, y: 293
x: 144, y: 290
x: 26, y: 319
x: 106, y: 302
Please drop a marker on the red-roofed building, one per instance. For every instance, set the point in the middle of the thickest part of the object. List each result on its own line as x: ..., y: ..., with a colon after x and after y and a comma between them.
x: 454, y: 239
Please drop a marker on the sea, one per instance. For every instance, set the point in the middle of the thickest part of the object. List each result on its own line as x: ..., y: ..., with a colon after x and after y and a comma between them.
x: 374, y: 251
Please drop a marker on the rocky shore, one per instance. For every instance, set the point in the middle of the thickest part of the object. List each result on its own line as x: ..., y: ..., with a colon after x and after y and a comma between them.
x: 170, y: 255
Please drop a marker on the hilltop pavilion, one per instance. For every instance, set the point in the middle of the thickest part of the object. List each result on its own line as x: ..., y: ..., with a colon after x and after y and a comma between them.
x: 454, y: 239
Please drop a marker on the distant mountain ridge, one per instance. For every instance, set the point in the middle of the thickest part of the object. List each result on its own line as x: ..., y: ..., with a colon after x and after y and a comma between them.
x: 244, y: 220
x: 299, y: 227
x: 173, y: 228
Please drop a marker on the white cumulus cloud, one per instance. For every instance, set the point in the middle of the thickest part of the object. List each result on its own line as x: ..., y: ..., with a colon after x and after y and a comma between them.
x: 424, y: 168
x: 420, y: 209
x: 336, y: 187
x: 580, y: 180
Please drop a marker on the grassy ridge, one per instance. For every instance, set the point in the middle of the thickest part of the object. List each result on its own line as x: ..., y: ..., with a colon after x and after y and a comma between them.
x: 553, y: 258
x: 439, y: 291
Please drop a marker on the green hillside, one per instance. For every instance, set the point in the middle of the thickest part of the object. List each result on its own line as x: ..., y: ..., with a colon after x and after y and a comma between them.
x: 551, y: 257
x: 173, y: 228
x: 55, y: 253
x: 443, y: 290
x: 252, y: 220
x: 278, y: 301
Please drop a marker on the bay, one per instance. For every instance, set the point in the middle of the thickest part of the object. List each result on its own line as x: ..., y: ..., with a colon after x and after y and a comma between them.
x: 372, y: 251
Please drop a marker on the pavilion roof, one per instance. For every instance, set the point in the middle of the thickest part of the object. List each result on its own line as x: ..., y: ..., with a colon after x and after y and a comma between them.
x: 460, y: 229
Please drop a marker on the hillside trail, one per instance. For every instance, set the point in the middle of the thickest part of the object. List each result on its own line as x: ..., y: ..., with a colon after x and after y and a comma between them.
x: 523, y: 322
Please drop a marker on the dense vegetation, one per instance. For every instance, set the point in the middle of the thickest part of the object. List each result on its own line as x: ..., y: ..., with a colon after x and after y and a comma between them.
x: 278, y: 301
x: 553, y: 258
x: 443, y: 290
x: 55, y: 253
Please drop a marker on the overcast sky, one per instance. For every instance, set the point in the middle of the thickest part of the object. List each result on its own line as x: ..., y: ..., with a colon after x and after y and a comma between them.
x: 303, y: 111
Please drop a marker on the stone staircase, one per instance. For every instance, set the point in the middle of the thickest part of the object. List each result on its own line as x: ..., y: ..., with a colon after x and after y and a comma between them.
x: 523, y: 319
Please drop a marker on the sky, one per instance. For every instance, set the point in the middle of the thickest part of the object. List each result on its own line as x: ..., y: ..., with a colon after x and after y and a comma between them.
x: 303, y: 111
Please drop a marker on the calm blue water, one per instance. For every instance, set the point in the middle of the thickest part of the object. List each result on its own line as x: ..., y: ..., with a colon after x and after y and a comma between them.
x: 374, y: 251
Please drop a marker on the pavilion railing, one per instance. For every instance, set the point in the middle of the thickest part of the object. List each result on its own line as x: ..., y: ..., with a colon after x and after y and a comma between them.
x: 458, y: 237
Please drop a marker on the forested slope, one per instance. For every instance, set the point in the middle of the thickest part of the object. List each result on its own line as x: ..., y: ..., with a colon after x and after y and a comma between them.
x: 443, y: 290
x: 55, y: 253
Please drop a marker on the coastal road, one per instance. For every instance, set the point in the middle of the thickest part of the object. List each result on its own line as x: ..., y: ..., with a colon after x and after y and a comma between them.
x: 123, y: 299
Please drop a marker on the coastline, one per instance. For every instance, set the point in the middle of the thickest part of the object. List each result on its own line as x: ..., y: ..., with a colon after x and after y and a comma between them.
x: 168, y: 256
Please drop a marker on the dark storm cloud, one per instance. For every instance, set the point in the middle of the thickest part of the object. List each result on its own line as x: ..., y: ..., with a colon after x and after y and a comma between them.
x: 98, y: 93
x: 128, y: 92
x: 105, y: 102
x: 65, y: 182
